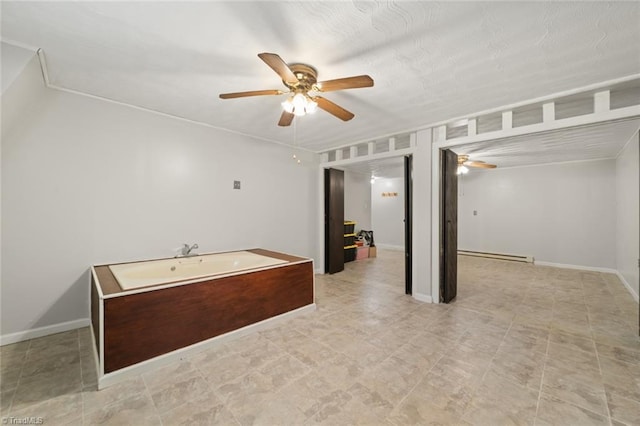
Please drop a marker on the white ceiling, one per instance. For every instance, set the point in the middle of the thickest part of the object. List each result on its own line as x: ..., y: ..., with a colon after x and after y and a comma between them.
x: 575, y: 144
x: 431, y: 61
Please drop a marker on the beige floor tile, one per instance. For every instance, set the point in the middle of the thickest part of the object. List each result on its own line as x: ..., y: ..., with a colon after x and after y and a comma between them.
x: 501, y: 402
x: 181, y: 390
x: 613, y: 367
x: 435, y: 400
x: 63, y: 409
x: 135, y: 410
x: 307, y: 393
x: 46, y: 385
x: 312, y: 352
x: 45, y: 363
x: 6, y: 399
x: 619, y: 353
x: 624, y: 386
x: 572, y: 341
x: 283, y: 371
x: 199, y: 413
x: 562, y: 356
x: 623, y: 409
x: 341, y: 370
x: 225, y: 369
x: 553, y: 411
x: 578, y: 389
x: 243, y: 394
x: 393, y: 379
x: 421, y: 354
x: 272, y: 411
x: 94, y: 400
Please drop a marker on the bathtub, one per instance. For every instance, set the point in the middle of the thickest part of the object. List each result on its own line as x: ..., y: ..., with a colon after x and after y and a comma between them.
x: 155, y: 272
x: 147, y: 313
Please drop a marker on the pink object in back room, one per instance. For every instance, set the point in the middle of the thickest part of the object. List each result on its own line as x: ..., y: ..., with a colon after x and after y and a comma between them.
x: 363, y: 253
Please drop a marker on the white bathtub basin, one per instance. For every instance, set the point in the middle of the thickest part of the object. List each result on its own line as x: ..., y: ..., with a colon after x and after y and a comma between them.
x: 153, y: 272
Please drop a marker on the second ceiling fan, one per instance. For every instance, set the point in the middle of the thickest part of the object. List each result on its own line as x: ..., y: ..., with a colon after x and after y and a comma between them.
x: 303, y: 87
x: 464, y: 163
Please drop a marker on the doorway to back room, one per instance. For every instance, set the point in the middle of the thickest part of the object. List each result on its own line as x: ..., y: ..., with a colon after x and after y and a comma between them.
x: 376, y: 205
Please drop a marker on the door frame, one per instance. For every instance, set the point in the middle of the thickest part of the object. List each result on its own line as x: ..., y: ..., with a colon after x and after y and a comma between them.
x: 320, y: 268
x: 436, y: 209
x: 408, y: 224
x: 333, y: 262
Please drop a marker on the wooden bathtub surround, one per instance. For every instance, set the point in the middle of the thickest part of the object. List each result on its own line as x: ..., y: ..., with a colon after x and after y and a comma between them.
x: 142, y: 325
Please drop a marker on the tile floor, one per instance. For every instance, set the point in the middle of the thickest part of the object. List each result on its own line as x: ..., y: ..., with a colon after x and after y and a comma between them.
x: 522, y: 344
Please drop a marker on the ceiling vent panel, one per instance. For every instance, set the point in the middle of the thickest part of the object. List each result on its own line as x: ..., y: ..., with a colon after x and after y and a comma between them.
x: 489, y: 123
x: 381, y: 146
x: 526, y: 116
x: 457, y: 131
x: 403, y: 141
x: 624, y: 97
x: 573, y: 106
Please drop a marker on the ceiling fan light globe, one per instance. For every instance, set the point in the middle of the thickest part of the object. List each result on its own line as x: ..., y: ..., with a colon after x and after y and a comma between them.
x: 299, y: 101
x: 287, y: 106
x: 462, y: 170
x: 299, y: 112
x: 312, y: 107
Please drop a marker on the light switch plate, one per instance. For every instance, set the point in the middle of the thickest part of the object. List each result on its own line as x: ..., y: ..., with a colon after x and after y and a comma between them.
x: 236, y: 184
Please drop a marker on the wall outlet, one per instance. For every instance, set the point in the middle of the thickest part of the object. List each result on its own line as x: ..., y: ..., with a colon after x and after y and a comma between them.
x: 236, y: 184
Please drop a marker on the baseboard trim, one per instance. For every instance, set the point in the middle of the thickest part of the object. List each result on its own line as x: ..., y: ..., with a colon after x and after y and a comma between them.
x: 420, y: 297
x: 33, y: 333
x: 390, y: 247
x: 579, y: 267
x: 499, y: 256
x: 628, y: 286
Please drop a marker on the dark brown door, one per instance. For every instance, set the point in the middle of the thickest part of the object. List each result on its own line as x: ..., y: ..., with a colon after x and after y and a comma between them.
x: 448, y: 225
x: 333, y: 221
x: 408, y: 218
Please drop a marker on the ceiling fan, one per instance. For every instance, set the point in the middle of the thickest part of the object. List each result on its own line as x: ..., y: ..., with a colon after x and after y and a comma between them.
x: 464, y: 163
x: 303, y: 88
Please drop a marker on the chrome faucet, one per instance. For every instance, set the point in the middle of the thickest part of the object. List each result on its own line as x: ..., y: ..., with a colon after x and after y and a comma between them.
x: 186, y: 250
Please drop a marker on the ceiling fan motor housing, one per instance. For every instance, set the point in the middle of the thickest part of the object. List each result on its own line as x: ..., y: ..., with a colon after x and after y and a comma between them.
x: 307, y: 76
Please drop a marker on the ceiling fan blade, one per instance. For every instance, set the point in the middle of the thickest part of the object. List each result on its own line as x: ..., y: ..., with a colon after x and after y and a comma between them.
x: 480, y: 164
x: 333, y: 109
x: 279, y: 66
x: 345, y: 83
x: 285, y: 119
x: 251, y: 93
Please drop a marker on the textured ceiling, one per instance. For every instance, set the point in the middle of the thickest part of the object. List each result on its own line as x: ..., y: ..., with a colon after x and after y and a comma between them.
x: 431, y: 61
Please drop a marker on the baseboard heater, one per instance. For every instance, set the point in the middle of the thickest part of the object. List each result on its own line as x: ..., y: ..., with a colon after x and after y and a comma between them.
x: 511, y: 257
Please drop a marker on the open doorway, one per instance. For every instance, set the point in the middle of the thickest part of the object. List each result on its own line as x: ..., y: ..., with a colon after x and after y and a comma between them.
x: 377, y: 196
x: 537, y: 208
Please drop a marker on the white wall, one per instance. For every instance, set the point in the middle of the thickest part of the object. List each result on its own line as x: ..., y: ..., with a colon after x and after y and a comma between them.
x: 387, y: 213
x: 86, y: 181
x: 628, y: 214
x: 558, y: 213
x: 357, y: 199
x: 14, y: 61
